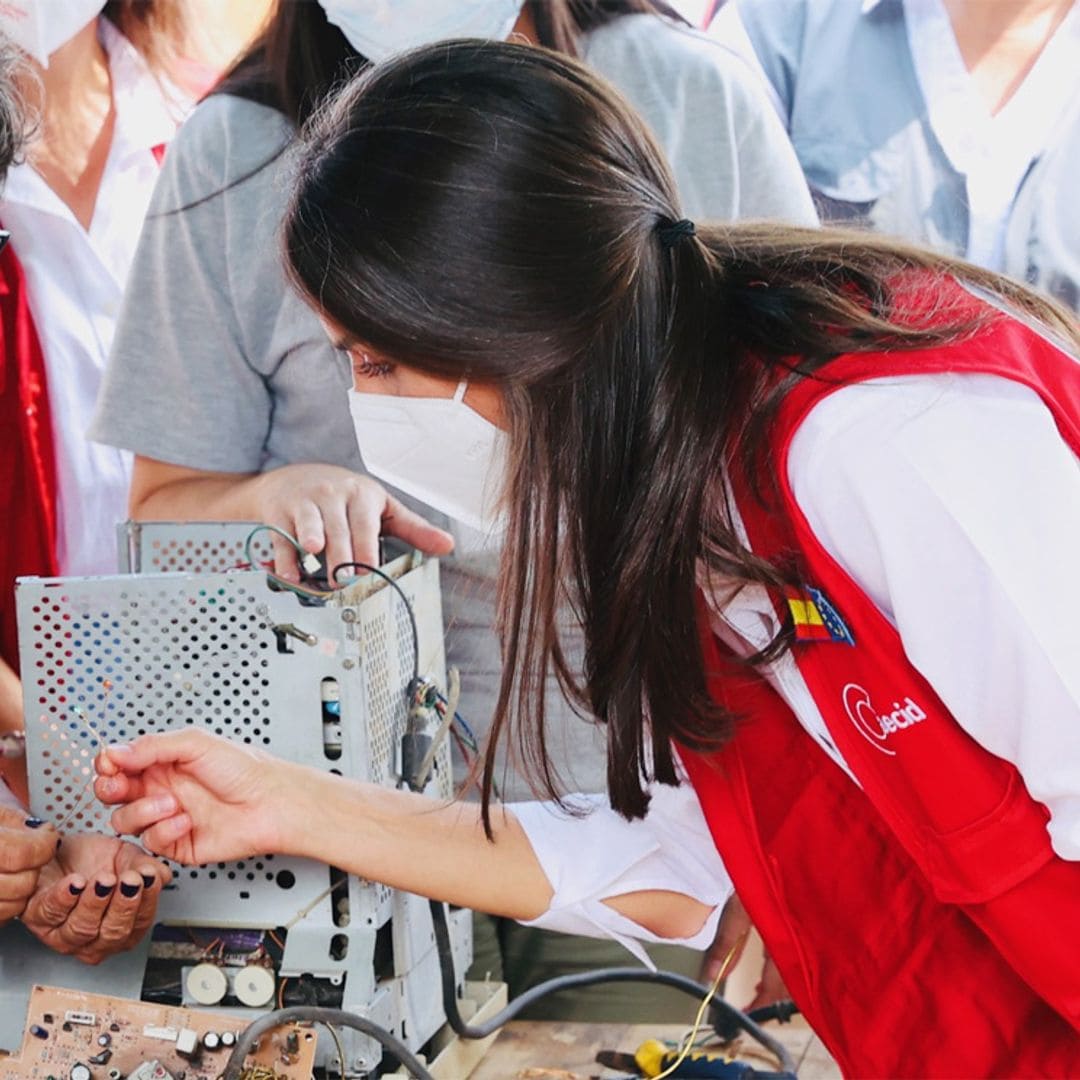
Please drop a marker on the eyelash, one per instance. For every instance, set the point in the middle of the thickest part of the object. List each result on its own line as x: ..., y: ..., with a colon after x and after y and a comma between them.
x: 370, y: 369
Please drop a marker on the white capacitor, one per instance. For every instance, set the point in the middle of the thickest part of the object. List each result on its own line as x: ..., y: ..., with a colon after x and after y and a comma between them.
x: 254, y: 986
x: 207, y: 984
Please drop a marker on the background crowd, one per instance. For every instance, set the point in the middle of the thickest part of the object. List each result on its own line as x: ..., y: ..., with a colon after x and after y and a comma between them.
x: 157, y: 364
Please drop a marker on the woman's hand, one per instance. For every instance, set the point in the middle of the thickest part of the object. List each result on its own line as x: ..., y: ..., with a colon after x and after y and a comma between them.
x: 332, y: 508
x: 26, y: 845
x: 98, y: 896
x: 727, y: 948
x: 323, y: 506
x: 196, y: 798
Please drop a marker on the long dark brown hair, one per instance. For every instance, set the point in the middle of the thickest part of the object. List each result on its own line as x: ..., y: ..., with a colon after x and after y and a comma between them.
x: 496, y: 212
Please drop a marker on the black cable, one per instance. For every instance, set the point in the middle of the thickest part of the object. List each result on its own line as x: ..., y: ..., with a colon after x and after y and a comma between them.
x: 405, y: 600
x: 723, y: 1013
x: 781, y: 1011
x: 725, y: 1016
x: 315, y: 1014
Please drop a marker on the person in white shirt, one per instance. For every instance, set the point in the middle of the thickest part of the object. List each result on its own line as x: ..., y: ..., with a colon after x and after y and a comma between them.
x: 813, y: 496
x: 947, y: 122
x: 73, y: 207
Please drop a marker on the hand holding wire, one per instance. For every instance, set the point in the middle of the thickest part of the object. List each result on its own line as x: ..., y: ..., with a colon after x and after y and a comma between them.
x: 332, y: 509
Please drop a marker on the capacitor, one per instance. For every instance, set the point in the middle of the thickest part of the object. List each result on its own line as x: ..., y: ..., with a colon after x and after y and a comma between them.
x: 114, y: 1074
x: 207, y: 984
x: 330, y: 693
x: 228, y: 1038
x: 254, y: 986
x: 104, y: 1039
x: 79, y: 1071
x: 211, y: 1041
x: 38, y: 1031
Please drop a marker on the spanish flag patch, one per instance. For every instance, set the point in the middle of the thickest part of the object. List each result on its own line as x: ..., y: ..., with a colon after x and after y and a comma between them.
x: 814, y: 617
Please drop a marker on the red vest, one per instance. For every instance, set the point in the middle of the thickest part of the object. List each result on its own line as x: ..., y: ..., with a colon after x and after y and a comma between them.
x: 27, y: 461
x: 923, y: 922
x: 28, y: 486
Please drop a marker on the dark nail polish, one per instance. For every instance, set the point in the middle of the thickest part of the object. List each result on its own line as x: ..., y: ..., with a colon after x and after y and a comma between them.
x: 128, y: 890
x: 33, y: 823
x: 76, y: 890
x: 103, y: 890
x: 148, y: 881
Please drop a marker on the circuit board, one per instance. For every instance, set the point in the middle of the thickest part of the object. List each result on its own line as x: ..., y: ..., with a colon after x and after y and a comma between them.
x: 72, y: 1035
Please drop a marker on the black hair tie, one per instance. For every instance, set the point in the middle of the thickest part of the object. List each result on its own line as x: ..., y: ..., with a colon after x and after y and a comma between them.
x: 671, y: 232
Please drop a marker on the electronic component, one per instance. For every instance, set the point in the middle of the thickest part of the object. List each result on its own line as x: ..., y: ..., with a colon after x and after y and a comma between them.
x: 151, y: 1070
x: 187, y: 1043
x: 254, y: 986
x: 330, y: 695
x: 75, y: 1016
x: 122, y: 1049
x: 206, y: 983
x: 38, y: 1031
x: 218, y: 665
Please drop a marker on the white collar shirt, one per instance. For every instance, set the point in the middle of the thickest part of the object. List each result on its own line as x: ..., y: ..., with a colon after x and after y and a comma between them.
x: 75, y: 280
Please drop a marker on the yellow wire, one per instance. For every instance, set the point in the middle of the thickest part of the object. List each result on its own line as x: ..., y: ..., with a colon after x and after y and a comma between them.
x: 688, y: 1042
x: 339, y: 1047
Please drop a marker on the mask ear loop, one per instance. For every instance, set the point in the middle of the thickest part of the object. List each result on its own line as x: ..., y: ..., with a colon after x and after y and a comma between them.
x: 459, y: 393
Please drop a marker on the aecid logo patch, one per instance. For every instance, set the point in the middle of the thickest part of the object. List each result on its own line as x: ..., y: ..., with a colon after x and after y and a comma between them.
x: 876, y: 727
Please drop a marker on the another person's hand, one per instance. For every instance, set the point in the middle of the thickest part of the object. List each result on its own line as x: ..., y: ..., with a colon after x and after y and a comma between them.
x: 196, y: 798
x: 12, y: 770
x: 26, y: 845
x: 97, y: 897
x: 727, y: 947
x: 332, y: 508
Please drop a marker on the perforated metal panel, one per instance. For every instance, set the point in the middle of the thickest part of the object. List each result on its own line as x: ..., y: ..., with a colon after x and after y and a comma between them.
x: 194, y: 547
x: 113, y: 658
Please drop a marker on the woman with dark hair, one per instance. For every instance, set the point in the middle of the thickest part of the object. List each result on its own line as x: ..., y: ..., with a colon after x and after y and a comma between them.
x: 223, y: 383
x: 814, y: 497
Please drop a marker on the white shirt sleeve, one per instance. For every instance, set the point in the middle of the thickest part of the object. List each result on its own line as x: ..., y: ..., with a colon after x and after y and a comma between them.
x: 954, y: 502
x: 600, y: 855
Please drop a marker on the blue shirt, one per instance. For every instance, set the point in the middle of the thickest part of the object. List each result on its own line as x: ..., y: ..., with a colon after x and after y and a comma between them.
x: 849, y: 91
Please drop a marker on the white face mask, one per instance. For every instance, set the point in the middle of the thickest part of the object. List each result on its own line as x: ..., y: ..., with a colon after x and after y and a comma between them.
x: 40, y: 27
x: 436, y: 449
x: 380, y: 28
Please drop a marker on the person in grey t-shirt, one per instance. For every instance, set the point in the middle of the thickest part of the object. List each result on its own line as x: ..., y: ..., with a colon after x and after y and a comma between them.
x: 224, y: 383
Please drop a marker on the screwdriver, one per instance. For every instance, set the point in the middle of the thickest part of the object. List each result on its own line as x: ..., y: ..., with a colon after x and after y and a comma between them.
x: 653, y: 1058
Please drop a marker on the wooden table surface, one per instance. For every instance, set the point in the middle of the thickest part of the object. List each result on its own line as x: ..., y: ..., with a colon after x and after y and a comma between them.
x: 533, y: 1050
